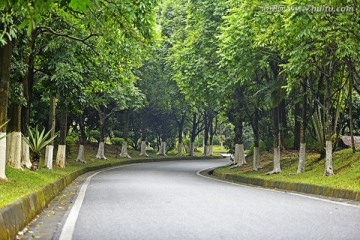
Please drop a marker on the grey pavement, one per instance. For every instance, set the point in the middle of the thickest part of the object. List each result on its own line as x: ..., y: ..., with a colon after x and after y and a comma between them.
x: 169, y: 200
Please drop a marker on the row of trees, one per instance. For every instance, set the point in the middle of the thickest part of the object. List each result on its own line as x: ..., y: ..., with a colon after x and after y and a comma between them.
x: 75, y: 65
x: 288, y: 72
x: 153, y: 72
x: 68, y: 55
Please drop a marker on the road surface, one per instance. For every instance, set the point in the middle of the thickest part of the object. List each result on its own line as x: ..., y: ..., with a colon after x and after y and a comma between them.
x: 169, y: 201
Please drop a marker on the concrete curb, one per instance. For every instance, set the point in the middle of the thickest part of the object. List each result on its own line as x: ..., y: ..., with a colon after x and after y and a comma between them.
x: 296, y: 187
x: 15, y: 216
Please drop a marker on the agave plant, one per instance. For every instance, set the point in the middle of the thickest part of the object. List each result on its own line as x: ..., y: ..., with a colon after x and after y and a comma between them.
x: 37, y: 142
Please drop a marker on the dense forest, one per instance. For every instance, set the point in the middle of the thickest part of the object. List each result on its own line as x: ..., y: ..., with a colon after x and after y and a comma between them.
x: 176, y: 74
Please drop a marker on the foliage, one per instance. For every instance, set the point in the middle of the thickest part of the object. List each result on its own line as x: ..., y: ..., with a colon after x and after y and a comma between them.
x: 117, y: 141
x: 94, y: 135
x: 38, y: 140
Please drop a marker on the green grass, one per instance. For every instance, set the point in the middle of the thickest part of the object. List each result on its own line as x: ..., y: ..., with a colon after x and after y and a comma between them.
x: 346, y: 166
x: 22, y: 183
x: 216, y: 149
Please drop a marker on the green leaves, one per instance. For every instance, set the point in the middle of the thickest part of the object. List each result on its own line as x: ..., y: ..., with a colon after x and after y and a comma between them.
x: 38, y: 140
x: 80, y: 5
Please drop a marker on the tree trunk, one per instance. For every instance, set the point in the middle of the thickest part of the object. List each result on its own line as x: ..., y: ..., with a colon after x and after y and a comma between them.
x: 143, y: 149
x: 124, y: 151
x: 256, y: 156
x: 25, y: 154
x: 239, y: 155
x: 192, y: 149
x: 143, y: 138
x: 49, y: 151
x: 351, y: 115
x: 195, y: 130
x: 206, y: 135
x: 180, y: 123
x: 302, y: 130
x: 277, y: 142
x: 162, y: 148
x: 256, y: 159
x: 328, y: 161
x: 81, y: 155
x: 27, y: 83
x: 180, y: 148
x: 212, y: 134
x: 297, y: 126
x: 328, y: 121
x: 101, y: 150
x: 49, y: 154
x: 14, y: 139
x: 5, y: 63
x: 283, y: 122
x: 61, y: 153
x: 302, y: 158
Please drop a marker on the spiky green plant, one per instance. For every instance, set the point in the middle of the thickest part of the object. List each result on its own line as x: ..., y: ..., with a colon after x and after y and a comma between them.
x: 37, y: 142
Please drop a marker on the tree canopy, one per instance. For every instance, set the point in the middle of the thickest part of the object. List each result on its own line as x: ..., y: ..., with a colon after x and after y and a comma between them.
x: 171, y: 71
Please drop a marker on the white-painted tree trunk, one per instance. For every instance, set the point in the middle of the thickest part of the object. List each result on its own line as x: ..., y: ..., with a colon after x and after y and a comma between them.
x: 239, y: 155
x: 101, y: 151
x: 256, y: 159
x: 61, y: 156
x: 242, y: 155
x: 143, y: 149
x: 2, y: 156
x: 14, y: 154
x: 192, y: 149
x: 49, y: 156
x: 25, y: 155
x: 180, y: 148
x: 328, y: 161
x: 277, y: 156
x: 124, y: 151
x: 81, y: 155
x: 211, y: 152
x: 302, y: 158
x: 162, y: 150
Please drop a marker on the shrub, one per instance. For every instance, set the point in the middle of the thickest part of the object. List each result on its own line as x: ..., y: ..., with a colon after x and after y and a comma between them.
x: 94, y: 135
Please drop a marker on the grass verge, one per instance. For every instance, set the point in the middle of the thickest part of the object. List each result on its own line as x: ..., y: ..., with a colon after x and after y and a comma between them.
x: 346, y: 166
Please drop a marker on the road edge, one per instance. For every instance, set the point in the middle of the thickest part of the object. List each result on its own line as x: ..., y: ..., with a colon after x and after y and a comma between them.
x: 287, y: 186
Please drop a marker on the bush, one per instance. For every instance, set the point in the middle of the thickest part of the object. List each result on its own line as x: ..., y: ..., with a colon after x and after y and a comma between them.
x: 117, y: 141
x: 94, y: 135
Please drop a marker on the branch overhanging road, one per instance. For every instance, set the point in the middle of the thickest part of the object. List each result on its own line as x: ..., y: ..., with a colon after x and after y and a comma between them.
x: 169, y: 200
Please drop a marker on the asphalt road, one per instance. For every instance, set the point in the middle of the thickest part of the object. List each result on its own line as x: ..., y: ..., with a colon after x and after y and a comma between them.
x: 169, y: 200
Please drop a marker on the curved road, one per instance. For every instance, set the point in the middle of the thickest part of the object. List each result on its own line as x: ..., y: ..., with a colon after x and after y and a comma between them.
x: 169, y: 200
